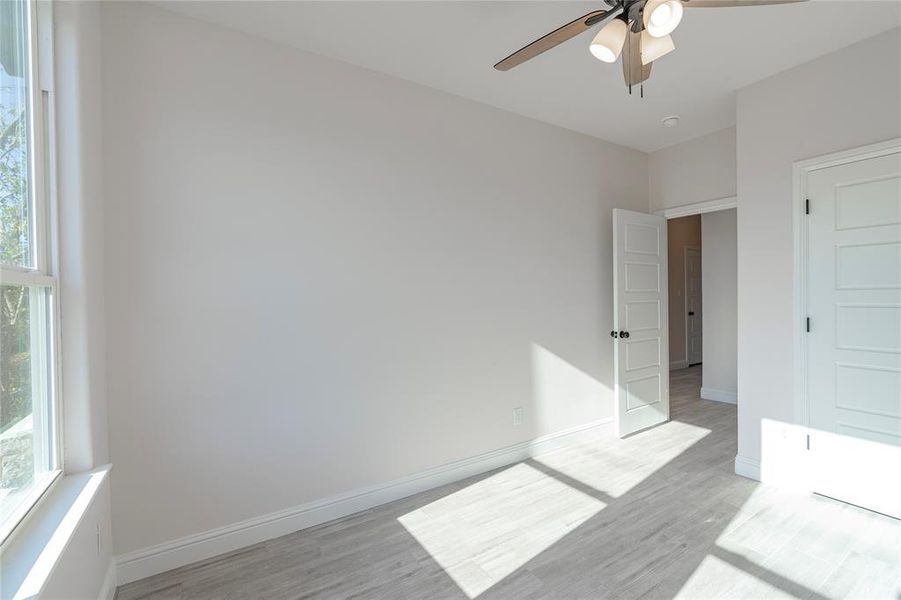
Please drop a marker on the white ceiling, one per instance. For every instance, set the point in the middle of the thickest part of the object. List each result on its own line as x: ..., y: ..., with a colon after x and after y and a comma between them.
x: 453, y: 45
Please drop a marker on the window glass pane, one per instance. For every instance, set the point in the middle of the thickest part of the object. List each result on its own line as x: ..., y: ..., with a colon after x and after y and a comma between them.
x: 15, y: 206
x: 25, y: 410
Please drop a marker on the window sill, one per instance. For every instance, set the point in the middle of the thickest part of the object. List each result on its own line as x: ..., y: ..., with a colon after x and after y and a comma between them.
x: 27, y: 505
x: 35, y: 547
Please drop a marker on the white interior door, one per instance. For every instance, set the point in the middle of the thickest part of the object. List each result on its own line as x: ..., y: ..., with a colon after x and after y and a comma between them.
x: 694, y: 318
x: 854, y: 342
x: 640, y: 337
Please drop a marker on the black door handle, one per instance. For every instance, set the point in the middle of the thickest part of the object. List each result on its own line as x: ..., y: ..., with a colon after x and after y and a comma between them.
x: 613, y: 334
x: 691, y: 313
x: 623, y: 334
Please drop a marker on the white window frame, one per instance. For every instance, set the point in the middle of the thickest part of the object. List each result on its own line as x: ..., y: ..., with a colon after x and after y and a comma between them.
x: 44, y: 250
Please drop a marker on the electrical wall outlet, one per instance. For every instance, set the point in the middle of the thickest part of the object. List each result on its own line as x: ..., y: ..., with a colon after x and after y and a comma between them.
x: 517, y: 415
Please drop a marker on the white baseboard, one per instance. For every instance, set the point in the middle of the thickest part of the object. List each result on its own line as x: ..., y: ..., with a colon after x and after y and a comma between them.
x: 719, y: 395
x: 678, y: 364
x: 747, y: 467
x: 108, y: 589
x: 183, y: 551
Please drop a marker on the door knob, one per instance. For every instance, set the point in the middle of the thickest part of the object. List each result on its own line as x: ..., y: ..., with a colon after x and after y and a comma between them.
x: 691, y: 313
x: 613, y: 334
x: 623, y: 334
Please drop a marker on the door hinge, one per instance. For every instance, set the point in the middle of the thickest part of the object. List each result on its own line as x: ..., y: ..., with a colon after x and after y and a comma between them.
x: 807, y: 206
x: 808, y: 324
x: 808, y: 441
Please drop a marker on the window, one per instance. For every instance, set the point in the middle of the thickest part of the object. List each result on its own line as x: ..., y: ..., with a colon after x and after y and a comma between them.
x: 29, y: 459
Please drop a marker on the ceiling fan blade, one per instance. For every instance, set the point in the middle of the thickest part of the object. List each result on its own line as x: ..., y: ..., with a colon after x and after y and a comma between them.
x: 728, y: 3
x: 633, y: 71
x: 555, y: 38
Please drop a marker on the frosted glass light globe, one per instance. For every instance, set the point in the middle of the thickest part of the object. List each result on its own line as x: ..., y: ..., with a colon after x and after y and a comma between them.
x: 608, y: 43
x: 661, y: 17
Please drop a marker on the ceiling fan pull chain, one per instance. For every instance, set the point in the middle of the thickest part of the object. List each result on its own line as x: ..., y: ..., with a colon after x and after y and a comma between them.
x: 640, y: 45
x: 629, y: 42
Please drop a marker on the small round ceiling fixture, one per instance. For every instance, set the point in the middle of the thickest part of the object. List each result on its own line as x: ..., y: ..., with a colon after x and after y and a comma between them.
x: 671, y: 121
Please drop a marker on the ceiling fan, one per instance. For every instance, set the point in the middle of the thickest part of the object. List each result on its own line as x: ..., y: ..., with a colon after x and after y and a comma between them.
x: 641, y: 27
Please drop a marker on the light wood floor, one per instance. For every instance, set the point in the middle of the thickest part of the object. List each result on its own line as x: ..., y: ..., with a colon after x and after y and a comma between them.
x: 657, y: 515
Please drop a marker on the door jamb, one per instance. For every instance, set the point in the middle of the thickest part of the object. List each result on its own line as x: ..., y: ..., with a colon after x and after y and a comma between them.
x: 800, y: 172
x: 698, y: 208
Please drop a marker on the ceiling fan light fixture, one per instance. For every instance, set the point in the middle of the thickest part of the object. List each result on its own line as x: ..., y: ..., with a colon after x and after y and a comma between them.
x: 653, y: 48
x: 661, y: 17
x: 608, y: 43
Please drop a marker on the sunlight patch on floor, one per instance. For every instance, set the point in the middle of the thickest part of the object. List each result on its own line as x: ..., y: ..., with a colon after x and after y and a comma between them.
x: 782, y: 533
x: 483, y: 533
x: 619, y: 466
x: 716, y: 578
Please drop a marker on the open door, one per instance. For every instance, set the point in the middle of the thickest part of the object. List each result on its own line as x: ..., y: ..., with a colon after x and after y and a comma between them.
x: 640, y: 320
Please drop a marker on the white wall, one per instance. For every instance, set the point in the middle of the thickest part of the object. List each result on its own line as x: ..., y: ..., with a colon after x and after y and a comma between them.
x: 682, y: 233
x: 321, y: 278
x: 698, y: 170
x: 843, y: 100
x: 719, y: 288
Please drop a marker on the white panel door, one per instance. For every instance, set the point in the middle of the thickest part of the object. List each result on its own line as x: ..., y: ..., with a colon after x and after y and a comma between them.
x: 854, y: 342
x: 641, y: 355
x: 694, y: 328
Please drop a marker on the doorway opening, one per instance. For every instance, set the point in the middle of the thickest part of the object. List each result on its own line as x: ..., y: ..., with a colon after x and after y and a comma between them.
x: 650, y: 254
x: 702, y: 288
